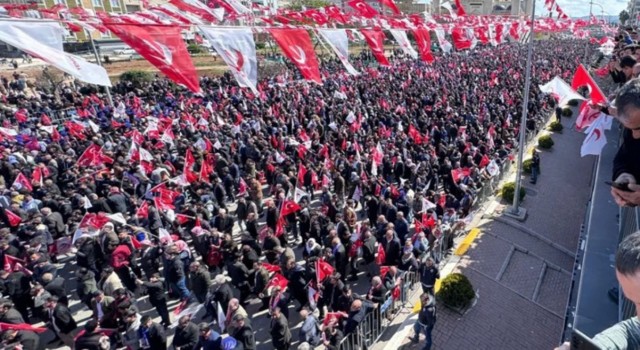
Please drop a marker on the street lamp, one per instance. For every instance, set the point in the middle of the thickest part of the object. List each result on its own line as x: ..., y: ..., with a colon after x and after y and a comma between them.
x: 516, y: 211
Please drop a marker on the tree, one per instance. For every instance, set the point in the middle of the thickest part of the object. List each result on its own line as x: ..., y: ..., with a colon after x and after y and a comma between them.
x: 624, y: 17
x: 297, y: 5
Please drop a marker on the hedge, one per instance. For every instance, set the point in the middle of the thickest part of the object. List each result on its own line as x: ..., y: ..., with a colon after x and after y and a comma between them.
x: 456, y: 291
x: 545, y: 142
x: 556, y: 126
x: 508, y: 189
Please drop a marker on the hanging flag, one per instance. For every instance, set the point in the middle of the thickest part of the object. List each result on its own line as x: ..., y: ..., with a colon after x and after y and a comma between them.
x: 197, y: 8
x: 238, y: 50
x: 375, y: 40
x: 445, y: 45
x: 68, y: 63
x: 463, y: 38
x: 363, y: 8
x: 595, y: 140
x: 423, y: 40
x: 21, y: 182
x: 560, y: 90
x: 338, y: 41
x: 449, y: 8
x: 391, y: 5
x: 296, y: 45
x: 583, y: 78
x: 460, y: 9
x: 401, y: 37
x: 587, y: 115
x: 163, y: 47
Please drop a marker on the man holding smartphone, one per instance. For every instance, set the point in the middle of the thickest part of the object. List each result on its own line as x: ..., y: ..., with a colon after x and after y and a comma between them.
x: 626, y: 164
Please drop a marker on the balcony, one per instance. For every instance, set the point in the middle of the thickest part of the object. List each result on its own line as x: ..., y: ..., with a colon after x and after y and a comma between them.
x: 591, y: 309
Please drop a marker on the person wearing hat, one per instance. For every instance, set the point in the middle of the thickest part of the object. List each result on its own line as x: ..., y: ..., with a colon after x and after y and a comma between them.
x: 243, y: 333
x: 208, y: 339
x: 157, y: 296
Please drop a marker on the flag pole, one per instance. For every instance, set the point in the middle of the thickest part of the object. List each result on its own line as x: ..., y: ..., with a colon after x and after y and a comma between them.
x: 516, y: 211
x: 99, y: 62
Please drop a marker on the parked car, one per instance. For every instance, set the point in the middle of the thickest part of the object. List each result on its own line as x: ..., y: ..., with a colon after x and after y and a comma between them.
x: 125, y: 52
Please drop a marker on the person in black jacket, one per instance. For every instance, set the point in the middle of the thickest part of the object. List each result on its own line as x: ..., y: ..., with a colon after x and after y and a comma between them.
x: 239, y: 275
x: 243, y: 333
x: 8, y: 314
x: 626, y: 168
x: 91, y: 339
x: 151, y: 335
x: 16, y: 285
x: 219, y: 292
x: 87, y: 254
x: 426, y: 320
x: 60, y: 320
x: 428, y: 275
x: 341, y: 260
x: 28, y: 339
x: 186, y: 335
x: 157, y: 297
x: 175, y: 273
x: 280, y: 333
x: 55, y: 286
x: 199, y: 281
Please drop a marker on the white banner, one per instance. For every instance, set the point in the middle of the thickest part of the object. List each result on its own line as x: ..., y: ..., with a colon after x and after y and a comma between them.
x: 338, y: 40
x: 47, y: 33
x: 238, y: 50
x: 445, y: 45
x: 403, y: 41
x: 73, y: 65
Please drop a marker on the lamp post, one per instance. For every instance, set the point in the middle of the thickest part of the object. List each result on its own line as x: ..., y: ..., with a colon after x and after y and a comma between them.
x: 516, y: 211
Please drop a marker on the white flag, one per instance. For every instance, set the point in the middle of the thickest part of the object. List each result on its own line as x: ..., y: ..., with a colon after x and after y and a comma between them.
x: 447, y: 5
x: 86, y: 203
x: 221, y: 317
x: 357, y: 194
x: 238, y: 6
x: 560, y: 90
x: 298, y: 194
x: 71, y: 64
x: 493, y: 169
x: 94, y: 127
x: 445, y: 45
x: 403, y: 41
x: 46, y: 33
x: 595, y: 140
x: 164, y: 234
x: 339, y: 42
x: 117, y: 217
x: 238, y: 50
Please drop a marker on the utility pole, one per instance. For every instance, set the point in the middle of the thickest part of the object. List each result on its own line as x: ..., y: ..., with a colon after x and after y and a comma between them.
x: 99, y: 62
x: 516, y: 211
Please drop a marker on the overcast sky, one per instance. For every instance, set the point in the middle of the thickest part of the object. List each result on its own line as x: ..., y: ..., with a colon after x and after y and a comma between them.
x: 579, y: 8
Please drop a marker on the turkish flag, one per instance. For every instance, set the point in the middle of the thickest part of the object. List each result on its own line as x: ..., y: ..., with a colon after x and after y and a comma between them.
x: 278, y: 280
x: 163, y: 47
x: 21, y: 182
x: 93, y: 156
x: 375, y: 40
x: 94, y: 220
x: 463, y: 38
x: 423, y: 39
x: 143, y: 210
x: 331, y: 317
x: 296, y: 45
x: 14, y: 220
x: 460, y: 8
x: 582, y: 78
x: 323, y: 270
x: 414, y: 134
x: 383, y: 271
x: 21, y: 327
x: 45, y: 120
x: 336, y: 14
x: 206, y: 169
x: 302, y: 171
x: 289, y: 207
x: 586, y: 116
x: 271, y: 268
x: 163, y: 203
x: 392, y: 5
x: 195, y: 7
x: 10, y: 262
x: 484, y: 161
x: 183, y: 219
x: 363, y: 8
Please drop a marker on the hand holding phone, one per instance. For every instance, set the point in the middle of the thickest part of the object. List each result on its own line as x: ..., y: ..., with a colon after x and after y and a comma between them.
x: 619, y: 186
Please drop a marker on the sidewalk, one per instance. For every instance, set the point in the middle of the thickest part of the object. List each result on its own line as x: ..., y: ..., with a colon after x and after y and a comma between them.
x: 521, y: 271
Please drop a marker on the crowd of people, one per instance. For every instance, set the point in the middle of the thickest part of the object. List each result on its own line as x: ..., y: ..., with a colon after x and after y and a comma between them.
x: 227, y: 198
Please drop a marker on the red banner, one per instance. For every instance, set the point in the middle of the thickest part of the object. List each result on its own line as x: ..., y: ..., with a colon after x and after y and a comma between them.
x: 296, y: 45
x: 375, y: 40
x: 423, y: 39
x: 163, y: 47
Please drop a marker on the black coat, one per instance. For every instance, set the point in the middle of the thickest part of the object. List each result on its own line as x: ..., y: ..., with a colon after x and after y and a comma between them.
x: 89, y: 341
x: 29, y: 340
x: 156, y: 337
x: 223, y: 294
x: 63, y: 319
x: 626, y: 160
x: 118, y: 203
x: 12, y: 316
x: 246, y: 337
x: 280, y: 333
x: 156, y: 292
x: 55, y: 224
x: 57, y: 287
x: 186, y: 338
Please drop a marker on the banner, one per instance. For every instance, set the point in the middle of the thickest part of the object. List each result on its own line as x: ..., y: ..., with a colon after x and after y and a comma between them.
x: 339, y: 43
x: 46, y: 33
x: 403, y: 41
x: 163, y: 47
x: 375, y: 40
x: 423, y: 40
x: 68, y: 63
x: 445, y: 45
x: 296, y: 45
x: 238, y: 50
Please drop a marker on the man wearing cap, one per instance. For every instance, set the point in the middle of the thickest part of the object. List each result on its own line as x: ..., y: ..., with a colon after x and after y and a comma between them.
x: 243, y: 333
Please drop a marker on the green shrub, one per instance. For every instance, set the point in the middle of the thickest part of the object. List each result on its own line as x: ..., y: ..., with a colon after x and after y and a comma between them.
x: 260, y: 46
x: 545, y: 142
x: 456, y: 291
x: 567, y: 112
x: 573, y: 103
x: 509, y: 188
x: 526, y: 166
x: 136, y: 76
x: 194, y: 48
x: 556, y: 126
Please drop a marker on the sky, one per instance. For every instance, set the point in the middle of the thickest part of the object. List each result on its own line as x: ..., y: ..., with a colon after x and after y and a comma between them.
x: 579, y: 8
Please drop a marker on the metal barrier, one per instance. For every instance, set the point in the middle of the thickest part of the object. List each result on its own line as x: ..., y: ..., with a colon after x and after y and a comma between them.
x: 628, y: 224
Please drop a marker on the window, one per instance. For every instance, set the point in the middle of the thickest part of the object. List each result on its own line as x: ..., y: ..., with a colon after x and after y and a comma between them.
x: 106, y: 34
x: 97, y: 3
x: 115, y: 3
x: 60, y: 2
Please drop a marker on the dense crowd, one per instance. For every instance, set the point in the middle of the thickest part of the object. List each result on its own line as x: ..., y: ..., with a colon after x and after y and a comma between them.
x: 221, y: 199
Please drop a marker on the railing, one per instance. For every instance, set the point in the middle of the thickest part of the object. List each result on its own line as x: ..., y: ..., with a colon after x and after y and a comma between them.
x: 628, y: 224
x: 380, y: 318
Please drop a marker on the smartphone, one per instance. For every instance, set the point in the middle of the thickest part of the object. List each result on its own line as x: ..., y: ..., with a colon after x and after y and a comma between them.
x: 622, y: 187
x: 580, y: 341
